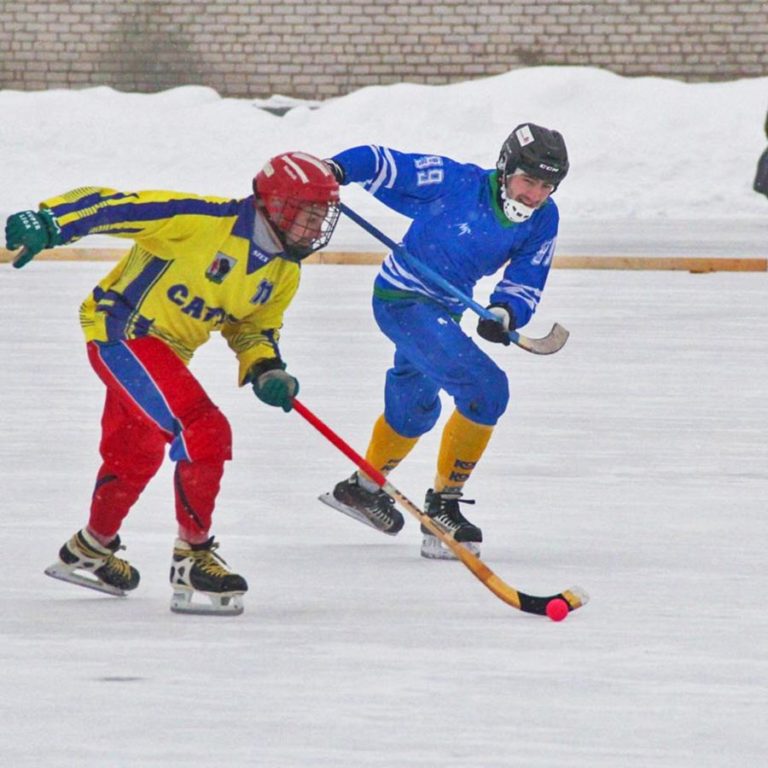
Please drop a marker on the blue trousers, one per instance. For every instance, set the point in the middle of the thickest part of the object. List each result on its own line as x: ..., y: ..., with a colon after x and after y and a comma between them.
x: 433, y: 353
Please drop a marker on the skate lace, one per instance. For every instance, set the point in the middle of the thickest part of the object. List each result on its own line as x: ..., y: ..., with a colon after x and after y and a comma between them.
x: 449, y: 511
x: 210, y: 562
x: 384, y: 505
x: 118, y: 566
x: 379, y: 503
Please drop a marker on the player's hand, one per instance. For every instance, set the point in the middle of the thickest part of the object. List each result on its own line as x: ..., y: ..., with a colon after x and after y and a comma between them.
x: 336, y: 170
x: 273, y: 386
x: 32, y: 231
x: 497, y: 331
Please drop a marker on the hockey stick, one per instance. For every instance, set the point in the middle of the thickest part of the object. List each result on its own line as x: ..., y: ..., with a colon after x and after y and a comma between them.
x: 575, y: 597
x: 547, y: 345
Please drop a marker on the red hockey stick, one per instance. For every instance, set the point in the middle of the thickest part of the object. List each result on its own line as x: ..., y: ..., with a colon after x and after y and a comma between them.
x: 574, y: 597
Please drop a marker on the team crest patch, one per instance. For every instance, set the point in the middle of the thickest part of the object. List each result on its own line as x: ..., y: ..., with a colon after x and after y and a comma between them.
x: 220, y: 267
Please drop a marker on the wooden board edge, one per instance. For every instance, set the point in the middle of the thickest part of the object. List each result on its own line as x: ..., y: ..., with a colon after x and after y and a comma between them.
x: 680, y: 263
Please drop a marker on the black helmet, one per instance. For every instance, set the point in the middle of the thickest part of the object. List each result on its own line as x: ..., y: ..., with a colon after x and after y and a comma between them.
x: 537, y: 151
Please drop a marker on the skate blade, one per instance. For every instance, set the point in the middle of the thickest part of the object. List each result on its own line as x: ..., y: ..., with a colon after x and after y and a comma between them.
x: 331, y: 501
x: 73, y: 576
x: 434, y: 549
x: 227, y: 604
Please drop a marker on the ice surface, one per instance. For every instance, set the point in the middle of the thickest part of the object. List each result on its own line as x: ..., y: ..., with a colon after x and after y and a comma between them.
x: 633, y: 462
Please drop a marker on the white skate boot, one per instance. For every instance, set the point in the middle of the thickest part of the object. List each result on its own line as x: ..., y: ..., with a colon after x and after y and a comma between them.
x: 87, y: 563
x: 197, y: 569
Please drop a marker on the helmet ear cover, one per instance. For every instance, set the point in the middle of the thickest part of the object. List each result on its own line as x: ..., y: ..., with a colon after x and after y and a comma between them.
x: 300, y: 196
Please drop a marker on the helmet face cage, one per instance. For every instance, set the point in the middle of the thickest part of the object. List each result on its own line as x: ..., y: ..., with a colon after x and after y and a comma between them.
x: 302, y: 226
x: 301, y: 198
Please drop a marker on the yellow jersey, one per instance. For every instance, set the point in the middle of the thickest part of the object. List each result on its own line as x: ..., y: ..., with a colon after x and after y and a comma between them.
x: 198, y: 264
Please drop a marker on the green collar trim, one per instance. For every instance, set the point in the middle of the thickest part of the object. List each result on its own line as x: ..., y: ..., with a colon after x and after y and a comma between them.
x: 493, y: 182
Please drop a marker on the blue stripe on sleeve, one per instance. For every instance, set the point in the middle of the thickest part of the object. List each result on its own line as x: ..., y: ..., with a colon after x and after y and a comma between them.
x: 163, y: 210
x: 88, y: 202
x: 102, y: 216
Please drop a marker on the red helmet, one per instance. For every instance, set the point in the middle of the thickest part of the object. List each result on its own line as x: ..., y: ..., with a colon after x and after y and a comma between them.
x: 301, y: 198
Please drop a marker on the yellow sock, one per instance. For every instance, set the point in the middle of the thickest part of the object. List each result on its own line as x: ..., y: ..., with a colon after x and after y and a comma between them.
x: 461, y: 447
x: 387, y: 448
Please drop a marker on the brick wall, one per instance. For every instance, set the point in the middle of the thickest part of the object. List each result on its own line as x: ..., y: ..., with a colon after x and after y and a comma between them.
x: 322, y: 49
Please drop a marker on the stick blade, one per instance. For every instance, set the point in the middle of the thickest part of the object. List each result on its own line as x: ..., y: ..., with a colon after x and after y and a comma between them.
x: 553, y: 342
x: 575, y: 597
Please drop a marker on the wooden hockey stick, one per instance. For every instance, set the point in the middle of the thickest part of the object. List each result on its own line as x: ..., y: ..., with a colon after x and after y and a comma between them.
x: 575, y: 597
x: 547, y: 345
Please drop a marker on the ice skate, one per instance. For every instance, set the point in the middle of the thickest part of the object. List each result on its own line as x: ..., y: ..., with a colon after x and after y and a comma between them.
x: 87, y: 563
x: 373, y: 508
x: 197, y: 569
x: 443, y: 508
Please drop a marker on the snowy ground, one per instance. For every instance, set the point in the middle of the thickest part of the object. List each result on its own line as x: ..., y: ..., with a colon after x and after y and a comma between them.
x: 646, y: 153
x: 632, y: 463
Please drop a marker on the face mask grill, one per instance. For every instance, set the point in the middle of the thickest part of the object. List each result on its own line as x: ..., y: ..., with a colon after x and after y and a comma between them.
x: 302, y: 226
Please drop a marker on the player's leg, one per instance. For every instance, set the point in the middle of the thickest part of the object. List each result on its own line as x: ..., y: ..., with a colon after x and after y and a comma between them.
x: 132, y: 450
x: 161, y: 398
x: 445, y: 356
x: 411, y: 408
x: 165, y: 390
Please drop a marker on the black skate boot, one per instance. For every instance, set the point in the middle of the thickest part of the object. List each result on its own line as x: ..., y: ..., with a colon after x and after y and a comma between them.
x: 443, y: 508
x: 196, y: 568
x: 374, y: 508
x: 87, y: 563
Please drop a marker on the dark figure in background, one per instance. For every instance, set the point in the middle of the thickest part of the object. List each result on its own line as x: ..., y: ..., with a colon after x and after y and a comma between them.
x: 761, y: 176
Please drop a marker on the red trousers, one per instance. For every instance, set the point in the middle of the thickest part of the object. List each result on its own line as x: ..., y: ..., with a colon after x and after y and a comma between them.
x: 153, y: 400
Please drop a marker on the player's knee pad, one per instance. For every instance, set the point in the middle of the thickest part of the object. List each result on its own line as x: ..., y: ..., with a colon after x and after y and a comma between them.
x: 411, y: 403
x: 488, y: 398
x: 205, y: 436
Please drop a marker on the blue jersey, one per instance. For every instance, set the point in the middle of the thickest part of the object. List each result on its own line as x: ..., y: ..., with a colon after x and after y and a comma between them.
x: 459, y: 229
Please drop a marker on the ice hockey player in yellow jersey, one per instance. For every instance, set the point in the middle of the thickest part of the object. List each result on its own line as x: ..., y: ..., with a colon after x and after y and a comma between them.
x: 198, y: 264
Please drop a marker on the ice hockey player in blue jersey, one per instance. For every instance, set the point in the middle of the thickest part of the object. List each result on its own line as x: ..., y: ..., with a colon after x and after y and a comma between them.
x: 467, y: 223
x: 761, y: 174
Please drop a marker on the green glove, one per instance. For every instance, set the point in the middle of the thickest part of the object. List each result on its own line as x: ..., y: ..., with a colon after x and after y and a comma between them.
x: 32, y: 232
x: 273, y: 386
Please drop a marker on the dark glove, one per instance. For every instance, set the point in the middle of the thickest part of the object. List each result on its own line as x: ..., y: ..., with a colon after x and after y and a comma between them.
x: 497, y: 331
x: 272, y: 385
x: 761, y: 177
x: 32, y: 231
x: 336, y: 170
